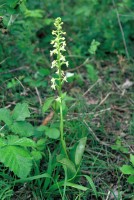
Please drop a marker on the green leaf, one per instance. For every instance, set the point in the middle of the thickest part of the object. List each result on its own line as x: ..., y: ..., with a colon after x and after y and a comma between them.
x: 132, y: 159
x: 93, y: 47
x: 2, y: 142
x: 47, y: 104
x: 76, y: 186
x: 5, y: 116
x: 21, y: 112
x: 80, y: 150
x: 12, y: 3
x: 127, y: 169
x: 17, y: 159
x: 69, y: 164
x: 36, y: 155
x: 131, y: 179
x: 92, y: 73
x: 53, y: 133
x: 89, y: 179
x: 45, y: 175
x: 24, y: 129
x: 25, y: 142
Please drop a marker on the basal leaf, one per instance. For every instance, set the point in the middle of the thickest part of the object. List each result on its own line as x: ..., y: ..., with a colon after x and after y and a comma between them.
x: 24, y: 129
x: 17, y: 159
x: 80, y: 150
x: 5, y: 116
x: 69, y: 165
x: 21, y: 112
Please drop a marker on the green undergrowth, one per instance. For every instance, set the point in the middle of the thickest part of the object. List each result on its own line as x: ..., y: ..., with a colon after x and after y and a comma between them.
x: 90, y: 156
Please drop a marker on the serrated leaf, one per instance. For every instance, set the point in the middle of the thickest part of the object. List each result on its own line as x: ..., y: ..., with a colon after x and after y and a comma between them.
x: 53, y: 133
x: 2, y: 142
x: 127, y: 169
x: 21, y: 112
x: 132, y: 159
x: 47, y: 104
x: 131, y: 179
x: 25, y: 142
x: 24, y: 129
x: 80, y: 150
x: 17, y: 159
x: 5, y: 116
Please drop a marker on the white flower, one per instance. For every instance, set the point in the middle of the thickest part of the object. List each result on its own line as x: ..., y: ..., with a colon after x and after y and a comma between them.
x: 67, y: 63
x: 58, y: 99
x: 68, y: 74
x: 65, y: 78
x: 54, y: 63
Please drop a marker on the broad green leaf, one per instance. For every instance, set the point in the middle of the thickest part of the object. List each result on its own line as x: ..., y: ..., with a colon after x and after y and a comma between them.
x: 5, y: 116
x: 70, y: 166
x: 80, y: 150
x: 47, y: 104
x: 36, y: 155
x: 17, y: 159
x: 36, y: 13
x: 127, y: 169
x: 131, y: 179
x: 132, y: 159
x: 25, y: 142
x: 21, y: 112
x: 2, y: 142
x: 53, y: 133
x: 12, y: 3
x: 24, y: 129
x: 89, y: 179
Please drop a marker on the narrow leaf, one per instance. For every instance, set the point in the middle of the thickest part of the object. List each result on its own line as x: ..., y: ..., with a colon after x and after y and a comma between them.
x: 80, y: 150
x: 89, y: 179
x: 47, y: 104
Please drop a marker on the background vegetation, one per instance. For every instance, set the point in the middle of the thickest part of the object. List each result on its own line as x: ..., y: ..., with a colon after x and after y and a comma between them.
x: 100, y: 105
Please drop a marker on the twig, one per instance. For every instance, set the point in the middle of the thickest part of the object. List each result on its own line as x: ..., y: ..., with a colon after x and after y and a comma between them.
x: 38, y: 94
x: 70, y: 70
x: 108, y: 194
x: 98, y: 81
x: 16, y: 69
x: 121, y: 29
x: 105, y: 98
